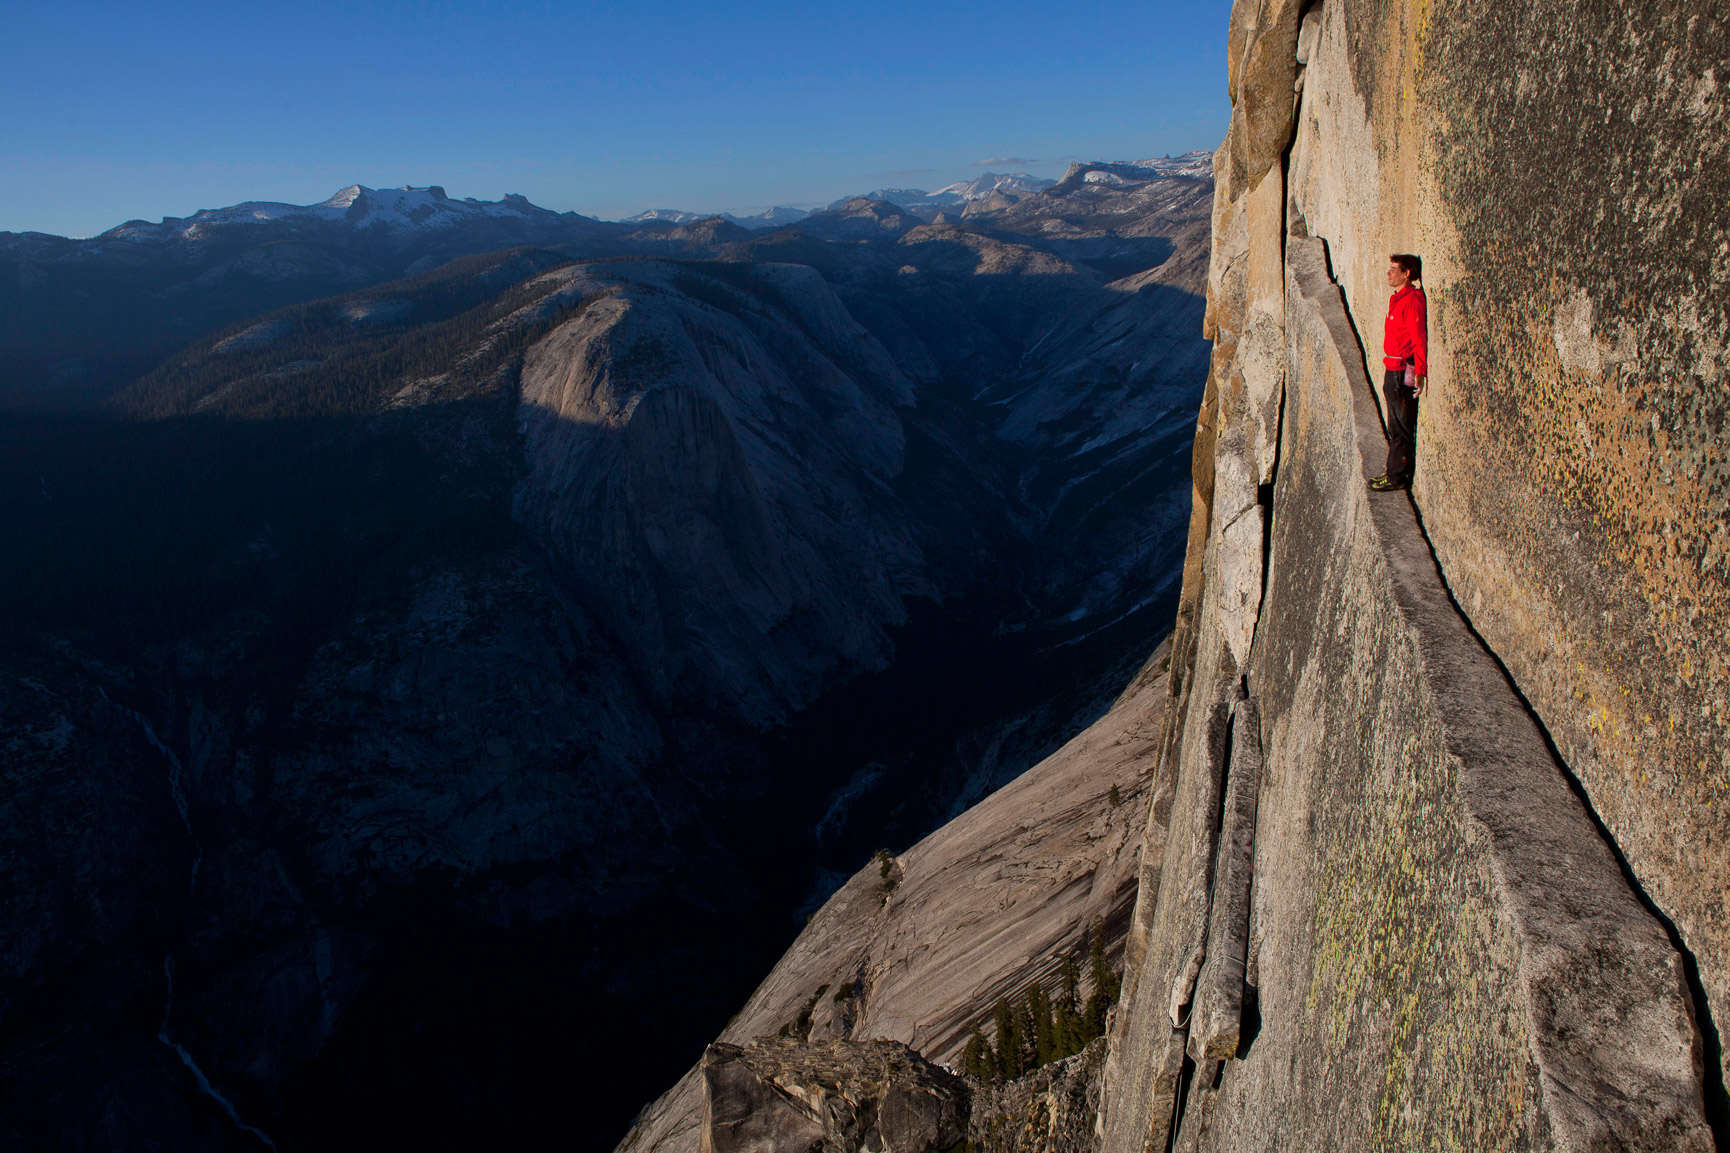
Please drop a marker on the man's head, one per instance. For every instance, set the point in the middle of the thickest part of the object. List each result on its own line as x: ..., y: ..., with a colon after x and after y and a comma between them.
x: 1404, y: 269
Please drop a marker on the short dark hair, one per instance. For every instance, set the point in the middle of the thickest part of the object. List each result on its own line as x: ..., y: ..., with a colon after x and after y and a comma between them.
x: 1412, y: 264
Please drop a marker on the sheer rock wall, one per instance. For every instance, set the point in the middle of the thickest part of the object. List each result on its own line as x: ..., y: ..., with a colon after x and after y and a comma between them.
x: 1485, y: 724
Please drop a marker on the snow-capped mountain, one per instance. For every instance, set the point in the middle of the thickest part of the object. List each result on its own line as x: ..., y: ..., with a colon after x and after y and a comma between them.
x: 1012, y: 183
x: 916, y: 200
x: 1006, y: 187
x: 406, y: 208
x: 667, y: 216
x: 771, y: 218
x: 1011, y: 186
x: 1196, y: 163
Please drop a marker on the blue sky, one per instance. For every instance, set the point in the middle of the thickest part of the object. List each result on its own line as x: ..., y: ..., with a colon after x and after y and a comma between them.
x: 120, y: 111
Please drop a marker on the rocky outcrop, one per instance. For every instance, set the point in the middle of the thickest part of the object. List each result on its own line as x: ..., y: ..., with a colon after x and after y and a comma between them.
x: 1051, y: 1110
x: 790, y: 1096
x: 785, y: 1095
x: 1415, y: 772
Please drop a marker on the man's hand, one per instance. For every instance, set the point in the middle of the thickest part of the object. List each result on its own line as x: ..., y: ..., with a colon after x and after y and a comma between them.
x: 1418, y: 385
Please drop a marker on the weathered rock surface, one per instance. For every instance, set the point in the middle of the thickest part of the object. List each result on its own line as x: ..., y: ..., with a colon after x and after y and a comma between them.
x: 1446, y: 945
x: 928, y: 941
x: 718, y: 487
x: 779, y: 1095
x: 1051, y: 1110
x: 1572, y: 457
x: 785, y: 1095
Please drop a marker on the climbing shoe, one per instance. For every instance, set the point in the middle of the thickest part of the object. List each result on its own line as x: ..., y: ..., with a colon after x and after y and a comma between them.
x: 1387, y: 484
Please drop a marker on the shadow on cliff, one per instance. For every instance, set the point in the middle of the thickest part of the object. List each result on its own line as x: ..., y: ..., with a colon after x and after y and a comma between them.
x: 127, y: 534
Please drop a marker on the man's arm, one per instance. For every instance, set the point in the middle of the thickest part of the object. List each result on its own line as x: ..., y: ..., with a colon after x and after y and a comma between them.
x: 1419, y: 318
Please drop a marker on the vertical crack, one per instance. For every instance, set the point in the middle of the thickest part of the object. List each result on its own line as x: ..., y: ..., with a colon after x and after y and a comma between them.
x: 1184, y: 1078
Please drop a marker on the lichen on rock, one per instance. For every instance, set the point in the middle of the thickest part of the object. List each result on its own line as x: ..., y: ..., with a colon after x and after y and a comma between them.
x: 1484, y: 821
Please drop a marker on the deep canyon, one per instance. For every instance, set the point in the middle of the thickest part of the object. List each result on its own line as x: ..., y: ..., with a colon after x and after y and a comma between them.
x: 430, y: 708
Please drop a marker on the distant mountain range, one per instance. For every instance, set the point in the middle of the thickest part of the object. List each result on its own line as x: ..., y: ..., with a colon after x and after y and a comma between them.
x: 923, y: 204
x: 403, y: 208
x: 81, y: 318
x: 772, y: 218
x: 431, y: 209
x: 1001, y: 189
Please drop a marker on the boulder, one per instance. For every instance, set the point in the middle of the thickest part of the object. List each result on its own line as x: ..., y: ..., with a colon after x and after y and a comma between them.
x: 780, y: 1095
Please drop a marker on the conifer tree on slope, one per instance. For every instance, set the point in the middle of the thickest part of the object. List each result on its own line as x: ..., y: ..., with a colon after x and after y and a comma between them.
x: 979, y: 1059
x: 1009, y: 1063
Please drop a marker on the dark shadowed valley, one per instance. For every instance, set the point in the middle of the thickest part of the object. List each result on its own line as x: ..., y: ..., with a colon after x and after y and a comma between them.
x: 446, y: 665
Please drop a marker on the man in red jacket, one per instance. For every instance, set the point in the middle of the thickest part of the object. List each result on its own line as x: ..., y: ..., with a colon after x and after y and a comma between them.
x: 1405, y: 355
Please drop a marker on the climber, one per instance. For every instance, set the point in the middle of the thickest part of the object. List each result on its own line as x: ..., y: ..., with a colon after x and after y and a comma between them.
x: 1405, y: 355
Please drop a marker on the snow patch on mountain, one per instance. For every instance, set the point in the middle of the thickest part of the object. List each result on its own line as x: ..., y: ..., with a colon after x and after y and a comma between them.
x: 1198, y: 162
x: 405, y: 208
x: 665, y: 215
x: 918, y: 201
x: 1012, y: 183
x: 1197, y: 165
x: 770, y: 218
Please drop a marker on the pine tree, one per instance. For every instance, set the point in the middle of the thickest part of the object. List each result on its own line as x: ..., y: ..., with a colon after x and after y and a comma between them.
x: 1008, y: 1045
x: 978, y: 1059
x: 1067, y: 1023
x: 1093, y: 1017
x: 1104, y: 982
x: 1027, y: 1024
x: 1044, y: 1039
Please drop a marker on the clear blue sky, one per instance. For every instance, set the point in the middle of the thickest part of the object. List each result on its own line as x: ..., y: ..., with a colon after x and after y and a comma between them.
x: 141, y: 110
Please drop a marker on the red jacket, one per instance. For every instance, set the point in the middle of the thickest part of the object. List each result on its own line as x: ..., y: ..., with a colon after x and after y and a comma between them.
x: 1407, y: 334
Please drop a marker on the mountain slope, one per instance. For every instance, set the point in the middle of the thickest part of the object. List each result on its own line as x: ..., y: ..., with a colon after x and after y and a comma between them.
x: 80, y: 319
x: 529, y: 634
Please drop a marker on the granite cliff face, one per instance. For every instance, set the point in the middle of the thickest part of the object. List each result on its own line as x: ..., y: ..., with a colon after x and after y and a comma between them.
x: 719, y: 482
x: 1435, y: 855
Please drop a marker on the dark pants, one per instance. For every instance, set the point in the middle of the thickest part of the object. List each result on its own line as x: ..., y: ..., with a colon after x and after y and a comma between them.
x: 1402, y: 412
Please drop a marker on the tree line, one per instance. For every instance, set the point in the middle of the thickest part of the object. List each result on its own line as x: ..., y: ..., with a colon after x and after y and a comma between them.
x: 1039, y: 1028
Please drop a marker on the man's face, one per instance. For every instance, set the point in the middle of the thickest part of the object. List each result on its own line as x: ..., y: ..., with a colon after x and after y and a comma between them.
x: 1397, y: 276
